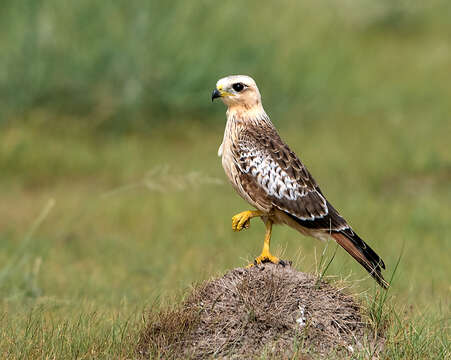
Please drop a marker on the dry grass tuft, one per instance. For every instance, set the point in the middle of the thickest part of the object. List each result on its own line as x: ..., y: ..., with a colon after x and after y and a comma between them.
x: 269, y: 310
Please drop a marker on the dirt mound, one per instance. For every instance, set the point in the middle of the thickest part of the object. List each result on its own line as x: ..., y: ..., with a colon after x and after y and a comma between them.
x: 270, y: 311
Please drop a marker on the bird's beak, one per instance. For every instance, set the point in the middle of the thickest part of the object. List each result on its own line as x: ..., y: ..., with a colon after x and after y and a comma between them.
x: 215, y: 94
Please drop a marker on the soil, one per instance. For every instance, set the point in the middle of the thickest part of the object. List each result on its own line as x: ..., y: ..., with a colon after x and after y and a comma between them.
x: 266, y: 311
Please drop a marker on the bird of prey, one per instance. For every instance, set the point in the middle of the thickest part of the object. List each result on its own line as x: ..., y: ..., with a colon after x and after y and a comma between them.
x: 268, y: 175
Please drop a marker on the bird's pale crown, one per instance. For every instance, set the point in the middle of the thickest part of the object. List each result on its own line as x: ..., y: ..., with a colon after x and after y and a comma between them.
x: 237, y: 90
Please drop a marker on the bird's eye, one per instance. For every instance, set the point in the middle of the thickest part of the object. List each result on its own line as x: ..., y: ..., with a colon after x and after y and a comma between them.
x: 238, y: 87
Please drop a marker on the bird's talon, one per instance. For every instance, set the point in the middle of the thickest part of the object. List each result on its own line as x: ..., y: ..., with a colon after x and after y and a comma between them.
x: 284, y: 263
x: 242, y: 220
x: 267, y: 258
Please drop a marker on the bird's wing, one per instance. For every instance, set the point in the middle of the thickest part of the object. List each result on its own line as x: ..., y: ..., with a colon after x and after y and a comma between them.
x: 267, y: 163
x: 263, y: 158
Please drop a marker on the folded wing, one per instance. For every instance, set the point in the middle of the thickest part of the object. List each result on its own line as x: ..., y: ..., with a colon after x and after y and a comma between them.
x: 269, y: 165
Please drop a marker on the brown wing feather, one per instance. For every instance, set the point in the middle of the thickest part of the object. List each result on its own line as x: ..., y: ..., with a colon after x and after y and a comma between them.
x: 262, y: 157
x: 265, y: 161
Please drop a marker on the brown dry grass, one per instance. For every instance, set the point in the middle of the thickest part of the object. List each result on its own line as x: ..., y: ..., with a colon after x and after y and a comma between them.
x: 270, y: 311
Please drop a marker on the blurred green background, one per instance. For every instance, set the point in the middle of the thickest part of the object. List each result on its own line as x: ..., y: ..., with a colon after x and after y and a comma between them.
x: 111, y: 193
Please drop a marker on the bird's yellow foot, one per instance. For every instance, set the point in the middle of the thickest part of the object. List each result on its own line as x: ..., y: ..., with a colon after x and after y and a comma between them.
x: 243, y: 220
x: 266, y: 257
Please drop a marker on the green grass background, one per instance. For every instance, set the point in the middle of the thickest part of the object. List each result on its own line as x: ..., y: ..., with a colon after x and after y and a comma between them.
x: 112, y: 198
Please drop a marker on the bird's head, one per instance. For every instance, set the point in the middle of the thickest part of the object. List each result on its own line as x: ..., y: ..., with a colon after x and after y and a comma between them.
x: 237, y: 90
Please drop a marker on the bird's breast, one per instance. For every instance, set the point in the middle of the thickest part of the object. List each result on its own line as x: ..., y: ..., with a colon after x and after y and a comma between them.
x: 236, y: 177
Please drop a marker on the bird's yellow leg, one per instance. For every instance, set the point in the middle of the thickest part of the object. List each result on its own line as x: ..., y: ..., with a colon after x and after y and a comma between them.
x: 266, y: 256
x: 243, y: 219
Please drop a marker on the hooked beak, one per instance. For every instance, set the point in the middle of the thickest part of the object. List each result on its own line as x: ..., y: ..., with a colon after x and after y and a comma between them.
x: 215, y: 94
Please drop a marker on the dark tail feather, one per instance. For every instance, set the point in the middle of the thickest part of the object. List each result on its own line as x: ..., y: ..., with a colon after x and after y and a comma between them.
x: 360, y: 251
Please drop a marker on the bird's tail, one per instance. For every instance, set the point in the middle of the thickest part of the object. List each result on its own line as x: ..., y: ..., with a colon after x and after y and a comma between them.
x: 360, y: 251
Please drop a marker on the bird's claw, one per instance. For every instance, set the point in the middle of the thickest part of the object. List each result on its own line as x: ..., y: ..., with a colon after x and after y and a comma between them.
x: 241, y: 221
x: 268, y: 258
